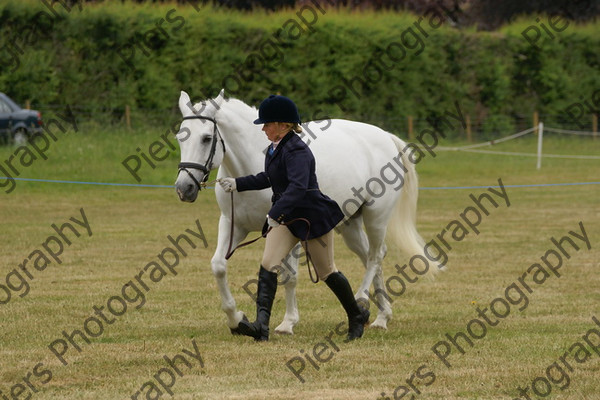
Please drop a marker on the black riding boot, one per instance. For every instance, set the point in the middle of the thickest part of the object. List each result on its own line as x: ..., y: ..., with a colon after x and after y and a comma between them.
x: 267, y: 286
x: 358, y: 316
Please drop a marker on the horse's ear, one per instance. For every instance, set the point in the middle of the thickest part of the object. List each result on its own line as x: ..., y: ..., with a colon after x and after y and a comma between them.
x: 185, y: 104
x: 220, y: 98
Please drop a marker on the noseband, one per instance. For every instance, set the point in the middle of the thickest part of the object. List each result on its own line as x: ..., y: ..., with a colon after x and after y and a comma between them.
x: 183, y: 166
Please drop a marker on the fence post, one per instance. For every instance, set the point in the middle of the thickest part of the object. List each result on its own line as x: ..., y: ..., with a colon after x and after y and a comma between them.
x: 536, y: 121
x: 128, y: 117
x: 595, y: 125
x: 411, y: 133
x: 539, y: 146
x: 28, y: 104
x: 469, y: 137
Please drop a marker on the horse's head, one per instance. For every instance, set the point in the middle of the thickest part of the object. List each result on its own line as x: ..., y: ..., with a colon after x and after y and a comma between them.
x: 202, y: 147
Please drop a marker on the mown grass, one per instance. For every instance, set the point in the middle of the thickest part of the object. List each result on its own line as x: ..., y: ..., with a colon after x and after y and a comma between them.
x: 130, y: 226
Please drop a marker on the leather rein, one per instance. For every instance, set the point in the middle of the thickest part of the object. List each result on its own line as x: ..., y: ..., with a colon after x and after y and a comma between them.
x: 207, y: 167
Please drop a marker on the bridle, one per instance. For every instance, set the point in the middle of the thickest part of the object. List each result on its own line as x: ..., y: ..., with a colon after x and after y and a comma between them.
x: 206, y: 168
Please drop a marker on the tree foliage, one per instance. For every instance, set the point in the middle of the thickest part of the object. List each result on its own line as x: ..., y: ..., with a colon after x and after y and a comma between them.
x: 109, y: 56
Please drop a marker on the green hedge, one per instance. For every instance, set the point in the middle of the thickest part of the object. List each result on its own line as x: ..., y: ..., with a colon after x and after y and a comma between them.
x: 82, y: 58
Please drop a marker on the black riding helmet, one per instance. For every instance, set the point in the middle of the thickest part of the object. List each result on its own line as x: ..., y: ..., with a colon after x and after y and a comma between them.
x: 276, y: 108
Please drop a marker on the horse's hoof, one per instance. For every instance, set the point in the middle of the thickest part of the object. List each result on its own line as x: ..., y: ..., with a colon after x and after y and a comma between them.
x: 285, y: 328
x: 236, y: 330
x: 379, y: 323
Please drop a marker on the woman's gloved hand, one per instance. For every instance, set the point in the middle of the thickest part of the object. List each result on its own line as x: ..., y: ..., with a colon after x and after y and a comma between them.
x: 228, y: 184
x: 272, y: 223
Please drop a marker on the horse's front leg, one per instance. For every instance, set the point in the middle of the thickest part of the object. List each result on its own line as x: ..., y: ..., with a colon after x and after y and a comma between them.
x: 288, y: 277
x: 219, y: 270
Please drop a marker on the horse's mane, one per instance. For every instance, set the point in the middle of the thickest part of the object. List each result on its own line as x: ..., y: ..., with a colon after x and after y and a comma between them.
x: 230, y: 104
x: 237, y: 105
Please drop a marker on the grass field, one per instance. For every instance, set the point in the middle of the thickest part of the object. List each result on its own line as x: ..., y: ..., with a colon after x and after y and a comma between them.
x: 129, y: 229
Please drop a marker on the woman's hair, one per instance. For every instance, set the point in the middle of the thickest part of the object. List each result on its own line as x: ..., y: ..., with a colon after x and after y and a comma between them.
x: 293, y: 126
x: 296, y: 128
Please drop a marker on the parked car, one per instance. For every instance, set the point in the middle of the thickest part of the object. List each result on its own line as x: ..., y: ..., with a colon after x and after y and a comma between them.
x: 17, y: 124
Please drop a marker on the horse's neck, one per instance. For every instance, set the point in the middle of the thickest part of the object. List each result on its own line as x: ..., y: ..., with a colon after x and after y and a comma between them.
x: 244, y: 141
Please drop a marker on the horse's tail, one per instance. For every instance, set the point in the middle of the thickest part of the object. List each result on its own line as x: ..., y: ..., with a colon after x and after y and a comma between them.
x: 402, y: 229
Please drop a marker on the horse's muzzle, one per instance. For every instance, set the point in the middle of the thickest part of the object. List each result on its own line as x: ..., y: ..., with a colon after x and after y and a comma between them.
x: 187, y: 193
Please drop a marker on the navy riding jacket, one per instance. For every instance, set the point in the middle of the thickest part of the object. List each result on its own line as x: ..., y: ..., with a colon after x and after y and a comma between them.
x: 290, y: 172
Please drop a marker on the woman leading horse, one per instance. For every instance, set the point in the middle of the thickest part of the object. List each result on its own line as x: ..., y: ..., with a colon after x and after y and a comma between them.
x: 299, y: 212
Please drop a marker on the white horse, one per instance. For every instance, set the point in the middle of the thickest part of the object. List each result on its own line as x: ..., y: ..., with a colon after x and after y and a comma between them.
x: 356, y: 165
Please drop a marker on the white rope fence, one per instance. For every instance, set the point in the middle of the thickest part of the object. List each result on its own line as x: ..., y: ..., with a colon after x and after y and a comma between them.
x: 490, y: 142
x: 474, y: 148
x: 515, y: 153
x: 568, y: 132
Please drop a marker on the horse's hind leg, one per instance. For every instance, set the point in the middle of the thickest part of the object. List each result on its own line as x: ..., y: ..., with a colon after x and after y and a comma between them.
x: 383, y: 300
x: 357, y: 241
x: 355, y: 237
x: 375, y: 221
x: 288, y: 277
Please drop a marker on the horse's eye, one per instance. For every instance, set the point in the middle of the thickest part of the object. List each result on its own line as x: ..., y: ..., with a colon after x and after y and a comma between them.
x: 206, y: 139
